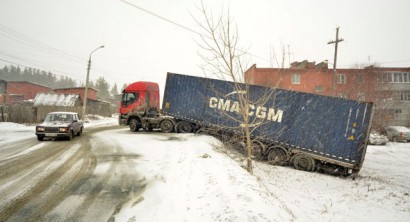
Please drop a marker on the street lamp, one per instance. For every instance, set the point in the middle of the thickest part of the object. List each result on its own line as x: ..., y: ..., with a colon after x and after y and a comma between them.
x: 86, y: 81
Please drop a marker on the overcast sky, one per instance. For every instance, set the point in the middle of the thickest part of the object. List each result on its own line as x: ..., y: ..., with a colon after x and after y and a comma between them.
x: 58, y: 36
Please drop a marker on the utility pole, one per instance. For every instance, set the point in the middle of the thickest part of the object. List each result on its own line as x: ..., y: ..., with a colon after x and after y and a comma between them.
x: 289, y: 52
x: 335, y: 59
x: 86, y: 83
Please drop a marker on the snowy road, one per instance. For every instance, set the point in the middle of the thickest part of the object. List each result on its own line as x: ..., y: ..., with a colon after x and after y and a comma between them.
x: 63, y: 180
x: 111, y: 174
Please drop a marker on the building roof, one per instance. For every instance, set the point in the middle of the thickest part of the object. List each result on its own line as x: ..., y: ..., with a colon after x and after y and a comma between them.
x: 27, y: 82
x: 81, y: 88
x: 55, y: 99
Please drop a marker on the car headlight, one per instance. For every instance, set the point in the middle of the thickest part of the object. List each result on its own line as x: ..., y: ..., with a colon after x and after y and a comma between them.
x: 40, y: 128
x: 63, y: 129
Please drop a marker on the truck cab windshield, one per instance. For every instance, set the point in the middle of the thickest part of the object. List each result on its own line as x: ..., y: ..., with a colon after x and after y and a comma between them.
x: 129, y: 98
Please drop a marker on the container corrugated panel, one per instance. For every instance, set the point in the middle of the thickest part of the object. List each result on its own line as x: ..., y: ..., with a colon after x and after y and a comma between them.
x: 330, y: 127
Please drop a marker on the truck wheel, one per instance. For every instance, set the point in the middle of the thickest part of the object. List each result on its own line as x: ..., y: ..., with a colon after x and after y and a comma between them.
x: 185, y: 127
x: 40, y: 138
x: 277, y: 156
x: 134, y: 125
x: 166, y: 126
x: 258, y: 150
x: 303, y: 162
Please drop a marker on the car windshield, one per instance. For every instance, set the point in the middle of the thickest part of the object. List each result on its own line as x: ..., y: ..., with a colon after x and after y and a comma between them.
x: 58, y: 117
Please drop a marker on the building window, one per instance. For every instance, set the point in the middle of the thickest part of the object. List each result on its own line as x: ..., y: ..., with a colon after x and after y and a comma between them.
x: 319, y: 89
x: 341, y: 79
x: 403, y: 95
x: 359, y: 78
x: 397, y: 114
x: 406, y: 77
x: 396, y: 77
x: 295, y: 78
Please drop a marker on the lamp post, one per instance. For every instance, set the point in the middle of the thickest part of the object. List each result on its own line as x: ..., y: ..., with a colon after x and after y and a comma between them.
x: 86, y: 81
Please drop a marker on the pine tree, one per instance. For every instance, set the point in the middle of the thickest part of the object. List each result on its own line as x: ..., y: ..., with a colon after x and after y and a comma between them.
x: 103, y: 88
x: 114, y: 90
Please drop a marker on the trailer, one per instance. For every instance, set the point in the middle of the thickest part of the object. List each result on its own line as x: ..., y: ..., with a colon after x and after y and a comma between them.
x: 312, y: 132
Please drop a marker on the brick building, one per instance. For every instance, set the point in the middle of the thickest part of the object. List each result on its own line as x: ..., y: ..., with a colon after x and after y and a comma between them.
x: 19, y: 91
x: 388, y: 88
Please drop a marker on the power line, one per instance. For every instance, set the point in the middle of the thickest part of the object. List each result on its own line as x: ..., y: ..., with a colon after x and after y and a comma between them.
x: 28, y: 41
x: 179, y: 25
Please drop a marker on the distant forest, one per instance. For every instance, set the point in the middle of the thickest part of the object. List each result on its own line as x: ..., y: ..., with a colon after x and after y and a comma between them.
x: 15, y: 73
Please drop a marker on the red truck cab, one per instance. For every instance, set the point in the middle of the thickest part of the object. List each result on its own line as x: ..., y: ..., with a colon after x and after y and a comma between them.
x: 138, y: 98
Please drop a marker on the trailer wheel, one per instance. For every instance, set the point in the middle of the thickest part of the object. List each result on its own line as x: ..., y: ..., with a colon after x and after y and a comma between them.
x: 277, y: 156
x: 303, y: 162
x: 166, y: 126
x: 185, y: 127
x: 258, y: 150
x: 134, y: 125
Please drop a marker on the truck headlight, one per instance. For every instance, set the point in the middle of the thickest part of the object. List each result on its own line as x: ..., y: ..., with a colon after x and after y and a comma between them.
x: 40, y: 128
x: 63, y: 129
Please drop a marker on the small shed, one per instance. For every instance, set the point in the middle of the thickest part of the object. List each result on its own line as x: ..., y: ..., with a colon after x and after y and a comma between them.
x: 57, y: 99
x: 51, y: 102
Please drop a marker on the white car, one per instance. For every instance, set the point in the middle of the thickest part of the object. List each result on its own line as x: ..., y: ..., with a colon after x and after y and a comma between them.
x: 376, y: 138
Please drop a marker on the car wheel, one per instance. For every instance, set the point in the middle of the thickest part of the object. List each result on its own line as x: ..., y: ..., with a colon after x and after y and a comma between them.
x: 80, y: 132
x: 40, y: 138
x: 395, y: 139
x: 70, y: 135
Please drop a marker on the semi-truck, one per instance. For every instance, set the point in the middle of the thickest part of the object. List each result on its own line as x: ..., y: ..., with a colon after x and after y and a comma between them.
x: 309, y: 131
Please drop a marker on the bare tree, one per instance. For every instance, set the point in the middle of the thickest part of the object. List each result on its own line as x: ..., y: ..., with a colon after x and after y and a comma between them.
x: 224, y: 59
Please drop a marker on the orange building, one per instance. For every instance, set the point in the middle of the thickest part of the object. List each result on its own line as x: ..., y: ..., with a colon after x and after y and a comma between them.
x: 92, y: 93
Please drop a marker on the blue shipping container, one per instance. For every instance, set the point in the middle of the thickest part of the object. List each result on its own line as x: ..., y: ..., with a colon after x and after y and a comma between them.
x: 326, y: 127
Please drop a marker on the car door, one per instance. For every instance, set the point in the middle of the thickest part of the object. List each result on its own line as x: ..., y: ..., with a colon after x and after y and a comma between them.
x: 76, y: 127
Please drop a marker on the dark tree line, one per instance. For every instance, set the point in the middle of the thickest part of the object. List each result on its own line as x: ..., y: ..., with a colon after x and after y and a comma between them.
x: 15, y: 73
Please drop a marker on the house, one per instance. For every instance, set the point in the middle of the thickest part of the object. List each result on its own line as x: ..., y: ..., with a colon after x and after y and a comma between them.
x: 19, y: 91
x: 44, y: 103
x: 388, y: 88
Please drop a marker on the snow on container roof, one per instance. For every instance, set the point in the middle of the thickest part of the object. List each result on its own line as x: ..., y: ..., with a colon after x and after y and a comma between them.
x: 55, y: 99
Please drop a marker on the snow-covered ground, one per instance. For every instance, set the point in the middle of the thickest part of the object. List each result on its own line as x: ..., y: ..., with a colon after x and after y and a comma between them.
x: 191, y: 178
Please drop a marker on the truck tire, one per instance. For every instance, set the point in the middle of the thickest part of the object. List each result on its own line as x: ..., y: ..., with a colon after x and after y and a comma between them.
x: 134, y: 125
x: 185, y: 127
x: 258, y: 150
x: 277, y: 156
x: 303, y: 162
x: 166, y: 126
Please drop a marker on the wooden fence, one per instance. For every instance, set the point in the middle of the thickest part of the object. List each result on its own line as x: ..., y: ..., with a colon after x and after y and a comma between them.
x: 27, y: 113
